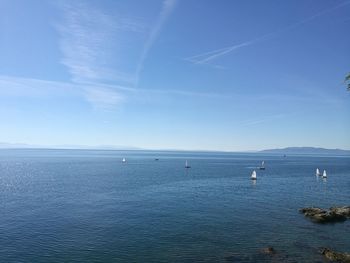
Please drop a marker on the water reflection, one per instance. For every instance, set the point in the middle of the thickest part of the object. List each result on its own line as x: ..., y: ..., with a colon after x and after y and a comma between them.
x: 253, y: 182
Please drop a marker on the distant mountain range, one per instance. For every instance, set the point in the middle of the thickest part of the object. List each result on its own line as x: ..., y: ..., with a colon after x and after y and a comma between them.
x: 307, y: 150
x: 288, y: 150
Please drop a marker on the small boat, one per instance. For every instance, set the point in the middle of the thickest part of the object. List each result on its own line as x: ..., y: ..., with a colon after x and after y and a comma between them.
x: 253, y: 176
x: 324, y: 175
x: 156, y: 159
x: 318, y: 172
x: 262, y: 167
x: 124, y: 160
x: 186, y: 165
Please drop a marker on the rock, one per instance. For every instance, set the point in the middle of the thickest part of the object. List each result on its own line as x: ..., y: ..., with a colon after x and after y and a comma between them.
x: 334, y: 214
x: 328, y: 217
x: 268, y: 251
x: 269, y: 254
x: 344, y: 211
x: 335, y: 256
x: 310, y: 211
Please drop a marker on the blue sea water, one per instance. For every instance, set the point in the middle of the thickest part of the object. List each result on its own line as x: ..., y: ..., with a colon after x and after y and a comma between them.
x: 87, y: 206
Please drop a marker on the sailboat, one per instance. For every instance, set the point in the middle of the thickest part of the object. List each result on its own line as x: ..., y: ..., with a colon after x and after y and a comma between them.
x: 186, y: 165
x: 262, y: 167
x: 318, y: 172
x: 253, y: 176
x: 124, y: 160
x: 324, y: 174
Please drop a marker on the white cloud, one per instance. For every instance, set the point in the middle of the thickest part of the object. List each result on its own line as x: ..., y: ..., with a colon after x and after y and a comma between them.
x: 88, y: 43
x: 36, y: 88
x: 102, y: 96
x: 92, y: 39
x: 92, y: 44
x: 98, y: 95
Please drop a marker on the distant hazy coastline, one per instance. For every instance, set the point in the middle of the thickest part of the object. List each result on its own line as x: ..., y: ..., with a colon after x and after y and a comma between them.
x: 307, y: 150
x: 283, y: 151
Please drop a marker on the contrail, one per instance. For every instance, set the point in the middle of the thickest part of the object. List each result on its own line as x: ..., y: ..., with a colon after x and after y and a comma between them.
x: 167, y: 8
x: 210, y: 55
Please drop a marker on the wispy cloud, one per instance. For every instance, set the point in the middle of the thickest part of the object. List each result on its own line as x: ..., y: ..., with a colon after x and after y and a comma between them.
x: 35, y: 88
x: 185, y: 93
x: 102, y: 96
x: 93, y: 43
x: 206, y: 57
x: 167, y: 8
x: 89, y: 37
x: 88, y: 41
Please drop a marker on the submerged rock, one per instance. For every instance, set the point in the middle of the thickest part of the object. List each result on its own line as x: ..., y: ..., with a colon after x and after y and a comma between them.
x: 270, y: 254
x: 335, y: 256
x: 235, y: 257
x: 267, y: 254
x: 268, y: 251
x: 334, y: 214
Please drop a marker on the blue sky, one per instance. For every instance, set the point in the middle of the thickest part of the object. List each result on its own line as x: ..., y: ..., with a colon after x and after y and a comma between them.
x: 175, y: 74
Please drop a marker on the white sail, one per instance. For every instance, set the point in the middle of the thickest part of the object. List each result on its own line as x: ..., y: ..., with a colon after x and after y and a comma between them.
x: 262, y: 167
x: 253, y: 177
x: 324, y: 174
x: 186, y: 165
x: 318, y: 172
x: 124, y: 160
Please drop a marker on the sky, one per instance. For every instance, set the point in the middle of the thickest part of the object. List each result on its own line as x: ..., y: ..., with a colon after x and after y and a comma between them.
x: 175, y: 74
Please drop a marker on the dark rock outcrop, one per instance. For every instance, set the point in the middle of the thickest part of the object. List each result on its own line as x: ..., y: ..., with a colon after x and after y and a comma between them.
x: 334, y: 214
x: 335, y: 256
x: 344, y: 210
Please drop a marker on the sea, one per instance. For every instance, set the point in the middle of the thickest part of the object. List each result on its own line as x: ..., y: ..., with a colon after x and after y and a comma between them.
x: 89, y: 206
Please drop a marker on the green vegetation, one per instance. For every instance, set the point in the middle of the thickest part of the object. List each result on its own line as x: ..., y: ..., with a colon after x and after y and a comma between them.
x: 347, y: 81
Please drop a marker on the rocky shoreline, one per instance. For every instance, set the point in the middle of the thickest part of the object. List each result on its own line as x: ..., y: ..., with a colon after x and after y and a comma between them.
x: 332, y: 215
x: 317, y: 215
x: 335, y: 256
x: 270, y: 254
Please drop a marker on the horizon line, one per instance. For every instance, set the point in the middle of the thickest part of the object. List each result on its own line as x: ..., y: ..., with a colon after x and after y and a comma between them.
x: 23, y: 146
